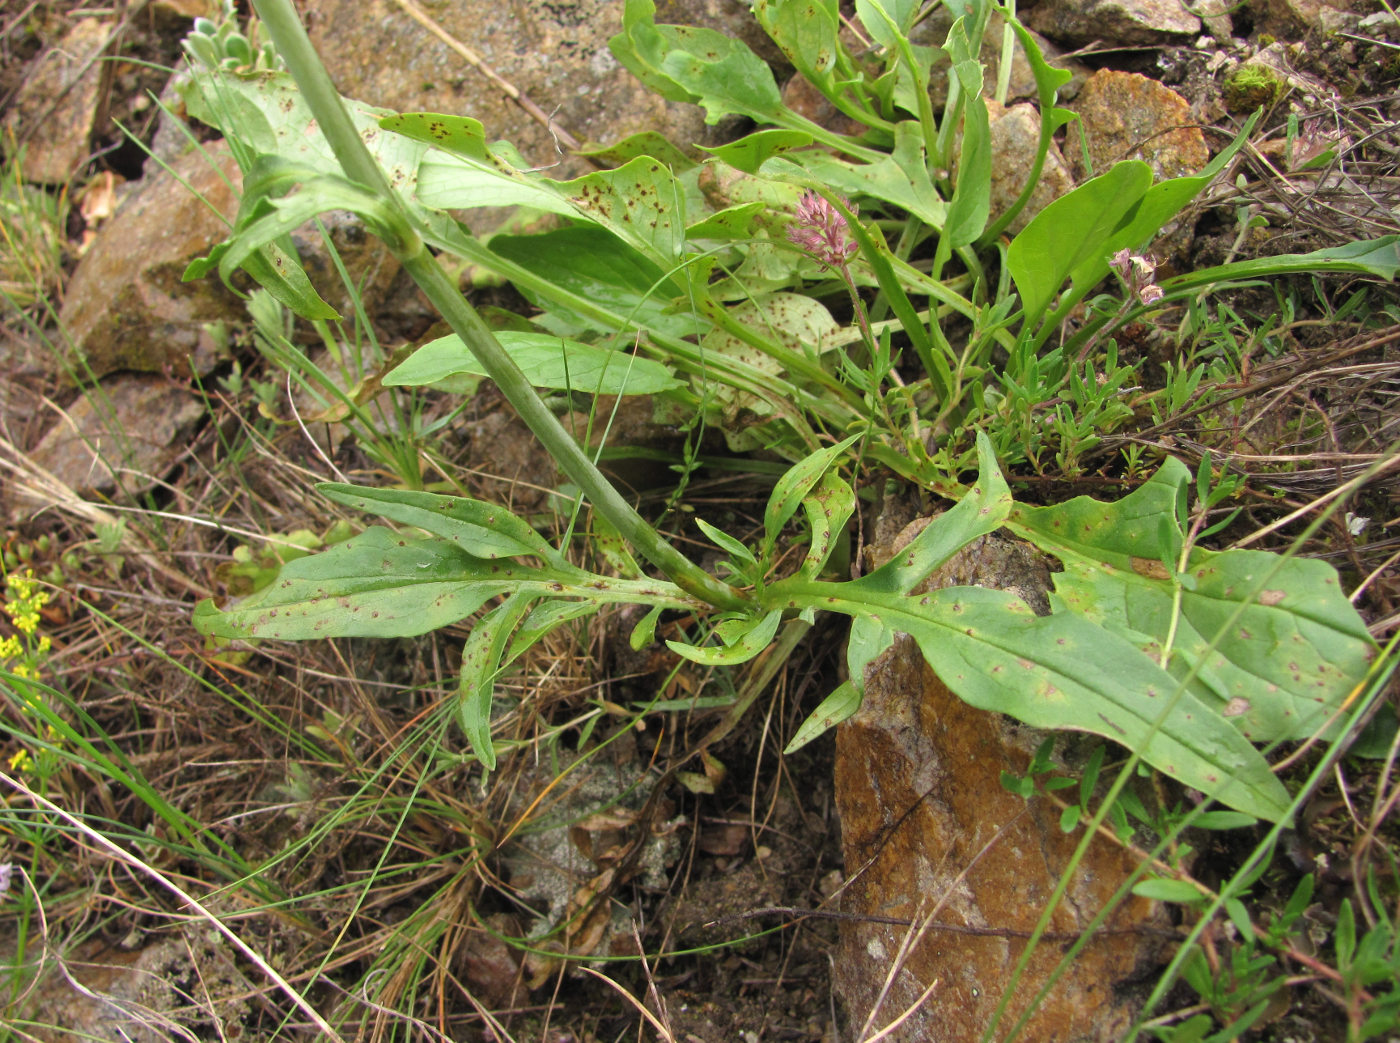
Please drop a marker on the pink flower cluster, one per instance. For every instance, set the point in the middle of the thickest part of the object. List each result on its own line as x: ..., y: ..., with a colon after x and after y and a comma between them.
x: 821, y: 230
x: 1139, y: 273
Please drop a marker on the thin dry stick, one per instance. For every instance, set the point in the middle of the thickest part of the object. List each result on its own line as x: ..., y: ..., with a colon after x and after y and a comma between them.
x: 652, y: 1019
x: 133, y: 862
x: 1368, y: 475
x: 916, y: 937
x: 908, y: 1013
x: 509, y: 89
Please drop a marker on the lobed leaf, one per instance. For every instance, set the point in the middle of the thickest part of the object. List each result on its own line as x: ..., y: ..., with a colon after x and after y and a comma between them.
x: 701, y: 66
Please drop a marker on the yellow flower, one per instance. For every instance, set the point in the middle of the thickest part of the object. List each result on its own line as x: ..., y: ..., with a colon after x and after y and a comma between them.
x: 20, y: 760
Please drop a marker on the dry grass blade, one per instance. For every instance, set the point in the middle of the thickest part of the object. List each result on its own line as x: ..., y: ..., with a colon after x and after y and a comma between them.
x: 186, y: 898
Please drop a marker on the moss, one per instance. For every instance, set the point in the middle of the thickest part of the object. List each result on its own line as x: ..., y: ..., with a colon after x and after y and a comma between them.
x: 1248, y: 87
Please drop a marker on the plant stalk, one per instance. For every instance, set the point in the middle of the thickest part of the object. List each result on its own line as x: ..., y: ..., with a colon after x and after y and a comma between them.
x: 284, y: 27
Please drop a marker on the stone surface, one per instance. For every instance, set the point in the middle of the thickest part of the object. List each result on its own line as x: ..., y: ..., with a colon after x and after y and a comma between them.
x: 132, y: 424
x: 1120, y: 22
x: 126, y: 307
x: 1127, y: 116
x: 1299, y: 17
x: 54, y: 110
x: 176, y: 987
x: 555, y: 53
x: 1015, y: 137
x: 927, y: 828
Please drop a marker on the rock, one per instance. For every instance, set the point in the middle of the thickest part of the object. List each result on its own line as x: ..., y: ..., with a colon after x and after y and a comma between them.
x: 132, y: 425
x: 927, y: 828
x: 176, y: 987
x: 126, y: 307
x: 1300, y: 17
x: 54, y: 110
x: 1125, y: 22
x: 1127, y: 116
x: 1015, y: 137
x: 556, y: 54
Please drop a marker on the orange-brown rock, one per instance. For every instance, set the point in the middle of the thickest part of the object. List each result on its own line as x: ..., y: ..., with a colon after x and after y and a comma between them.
x: 1124, y: 115
x: 928, y: 831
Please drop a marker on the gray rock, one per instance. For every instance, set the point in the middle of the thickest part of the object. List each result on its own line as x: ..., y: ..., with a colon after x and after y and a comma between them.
x: 555, y: 53
x: 1126, y: 22
x: 54, y: 110
x: 1015, y: 137
x: 123, y: 436
x: 126, y: 307
x: 1299, y: 17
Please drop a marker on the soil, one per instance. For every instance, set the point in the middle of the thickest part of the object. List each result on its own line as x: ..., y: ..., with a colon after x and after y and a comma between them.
x: 688, y: 891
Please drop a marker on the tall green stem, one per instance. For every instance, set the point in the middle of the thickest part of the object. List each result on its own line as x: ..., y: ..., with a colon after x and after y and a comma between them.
x: 280, y: 20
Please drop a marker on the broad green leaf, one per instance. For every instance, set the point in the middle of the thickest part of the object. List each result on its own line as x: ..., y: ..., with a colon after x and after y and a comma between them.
x: 1295, y: 654
x: 547, y: 362
x: 742, y: 640
x: 792, y: 488
x: 383, y: 583
x: 841, y: 704
x: 901, y: 178
x: 266, y: 112
x: 481, y: 664
x: 887, y: 20
x: 971, y: 203
x: 701, y: 66
x: 752, y: 151
x: 1063, y: 671
x: 806, y: 32
x: 829, y: 507
x: 735, y: 222
x: 791, y: 320
x: 459, y: 135
x: 647, y: 143
x: 1164, y: 201
x: 1071, y: 231
x: 594, y: 264
x: 640, y: 202
x: 377, y: 584
x: 483, y: 530
x: 982, y: 510
x: 448, y: 182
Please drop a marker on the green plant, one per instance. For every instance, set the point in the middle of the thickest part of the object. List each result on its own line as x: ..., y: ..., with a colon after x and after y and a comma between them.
x: 1190, y: 638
